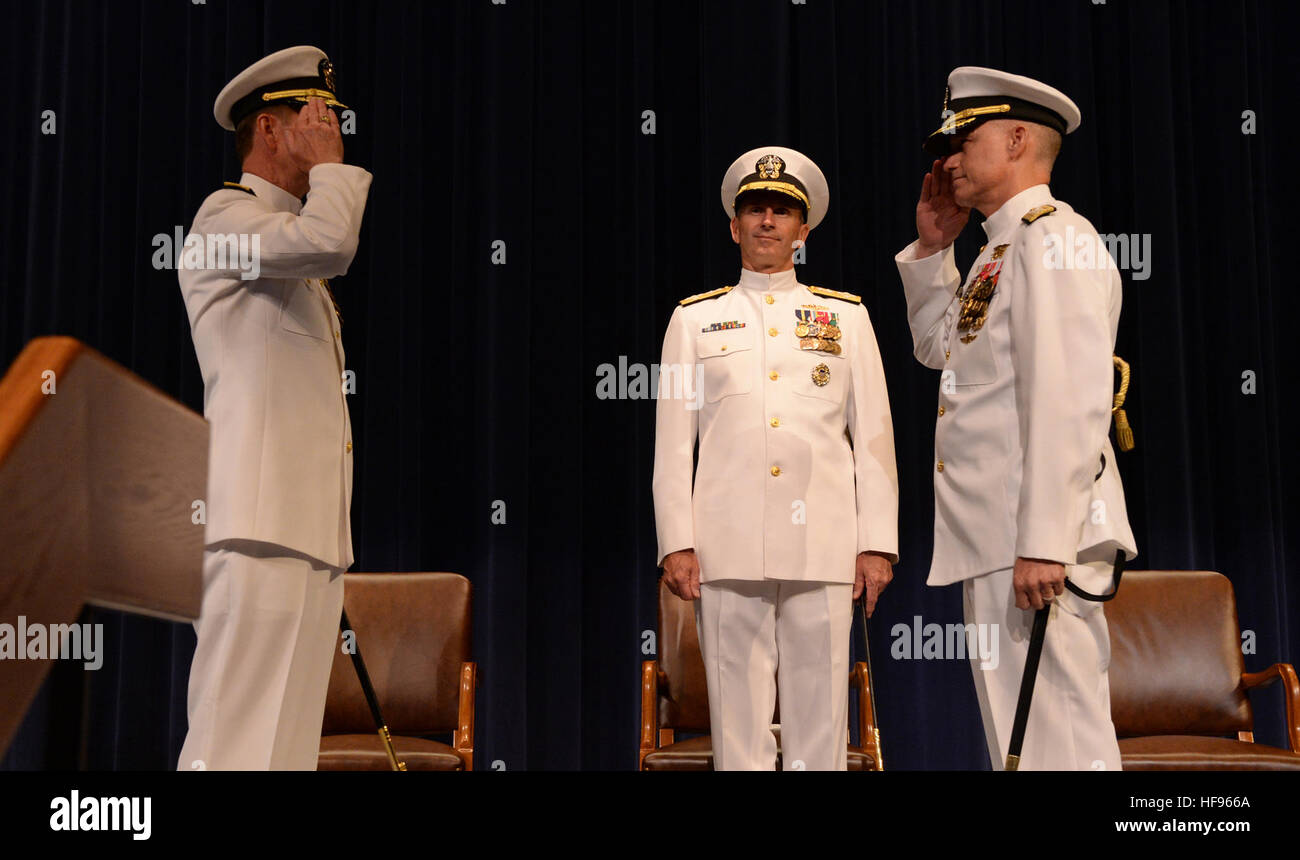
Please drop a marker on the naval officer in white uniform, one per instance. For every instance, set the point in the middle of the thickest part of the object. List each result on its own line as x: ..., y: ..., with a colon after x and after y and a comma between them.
x: 268, y: 341
x: 792, y: 510
x: 1025, y: 486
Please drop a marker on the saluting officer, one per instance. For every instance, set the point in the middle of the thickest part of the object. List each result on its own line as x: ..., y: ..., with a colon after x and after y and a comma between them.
x: 792, y: 509
x: 1026, y: 491
x: 268, y: 341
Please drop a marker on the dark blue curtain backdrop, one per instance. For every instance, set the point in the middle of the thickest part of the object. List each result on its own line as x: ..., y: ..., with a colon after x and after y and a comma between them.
x: 522, y: 122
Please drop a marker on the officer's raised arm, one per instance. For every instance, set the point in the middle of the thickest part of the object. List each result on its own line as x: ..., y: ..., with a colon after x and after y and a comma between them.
x: 320, y: 240
x: 926, y: 266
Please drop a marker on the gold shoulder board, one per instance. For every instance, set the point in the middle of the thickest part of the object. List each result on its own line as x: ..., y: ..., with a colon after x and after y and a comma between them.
x: 238, y: 187
x: 1037, y: 212
x: 835, y: 294
x: 699, y: 297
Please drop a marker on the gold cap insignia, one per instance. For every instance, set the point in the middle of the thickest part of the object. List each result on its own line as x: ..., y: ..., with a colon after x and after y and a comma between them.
x: 326, y: 69
x: 769, y: 167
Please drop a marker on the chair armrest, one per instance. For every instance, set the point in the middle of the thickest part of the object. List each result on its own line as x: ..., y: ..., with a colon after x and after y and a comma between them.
x: 649, y: 710
x: 1290, y: 696
x: 868, y: 734
x: 463, y: 738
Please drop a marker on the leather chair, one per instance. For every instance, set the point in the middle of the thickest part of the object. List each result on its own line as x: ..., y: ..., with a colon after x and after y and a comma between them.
x: 413, y: 629
x: 674, y: 698
x: 1178, y: 683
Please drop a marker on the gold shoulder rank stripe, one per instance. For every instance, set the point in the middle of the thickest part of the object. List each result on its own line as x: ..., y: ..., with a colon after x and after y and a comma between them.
x: 835, y: 294
x: 1037, y: 212
x: 238, y: 187
x: 699, y: 297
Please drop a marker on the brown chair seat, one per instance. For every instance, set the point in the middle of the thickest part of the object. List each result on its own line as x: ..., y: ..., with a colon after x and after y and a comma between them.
x: 366, y: 752
x: 1195, y: 752
x: 690, y: 754
x: 696, y: 754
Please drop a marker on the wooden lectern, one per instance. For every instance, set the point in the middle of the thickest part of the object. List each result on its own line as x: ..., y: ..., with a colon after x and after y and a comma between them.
x: 99, y: 473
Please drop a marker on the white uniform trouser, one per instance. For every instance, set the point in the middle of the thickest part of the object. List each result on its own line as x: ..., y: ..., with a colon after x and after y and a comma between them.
x: 1069, y: 724
x: 267, y: 630
x: 756, y: 637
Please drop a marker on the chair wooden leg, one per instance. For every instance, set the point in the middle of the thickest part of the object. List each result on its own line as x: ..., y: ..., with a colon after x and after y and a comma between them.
x: 463, y: 740
x: 649, y: 710
x: 1285, y: 673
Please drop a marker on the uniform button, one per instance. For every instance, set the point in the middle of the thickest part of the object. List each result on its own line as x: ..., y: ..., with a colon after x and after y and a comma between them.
x: 941, y: 411
x: 947, y: 354
x: 349, y: 447
x: 772, y: 332
x: 773, y: 375
x: 775, y: 422
x: 768, y: 299
x: 940, y: 466
x: 336, y: 334
x: 776, y: 470
x: 724, y: 348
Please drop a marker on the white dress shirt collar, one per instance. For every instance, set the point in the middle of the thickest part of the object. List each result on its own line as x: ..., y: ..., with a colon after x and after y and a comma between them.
x: 280, y: 200
x: 777, y: 281
x: 1012, y: 211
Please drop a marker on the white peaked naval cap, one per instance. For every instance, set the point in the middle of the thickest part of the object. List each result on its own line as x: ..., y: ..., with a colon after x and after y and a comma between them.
x: 286, y: 77
x: 976, y: 95
x: 782, y: 170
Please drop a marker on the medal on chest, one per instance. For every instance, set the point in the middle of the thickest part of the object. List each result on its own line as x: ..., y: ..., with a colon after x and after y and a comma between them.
x: 975, y: 301
x: 818, y: 329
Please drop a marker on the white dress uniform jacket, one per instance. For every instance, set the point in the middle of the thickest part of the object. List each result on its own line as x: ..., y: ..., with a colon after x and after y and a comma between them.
x: 794, y: 478
x: 272, y: 360
x: 1024, y: 408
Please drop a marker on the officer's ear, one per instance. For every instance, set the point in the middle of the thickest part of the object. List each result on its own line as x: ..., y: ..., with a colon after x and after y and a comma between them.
x: 270, y: 125
x: 804, y: 230
x: 267, y: 129
x: 1017, y: 142
x: 735, y: 228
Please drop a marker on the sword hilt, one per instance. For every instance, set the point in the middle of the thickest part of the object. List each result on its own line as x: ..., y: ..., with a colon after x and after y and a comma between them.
x: 871, y: 684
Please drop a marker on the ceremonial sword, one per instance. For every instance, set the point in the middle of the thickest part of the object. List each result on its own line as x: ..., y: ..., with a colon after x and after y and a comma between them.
x: 364, y: 677
x: 1036, y: 637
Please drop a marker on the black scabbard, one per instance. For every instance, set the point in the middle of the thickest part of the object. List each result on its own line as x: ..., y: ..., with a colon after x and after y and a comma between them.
x: 371, y: 699
x: 1036, y: 636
